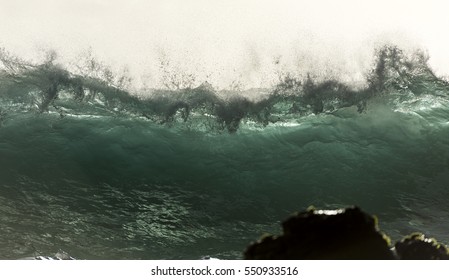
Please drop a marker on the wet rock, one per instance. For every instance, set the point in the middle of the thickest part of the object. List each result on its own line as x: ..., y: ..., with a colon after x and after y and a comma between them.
x: 347, y: 234
x: 419, y: 247
x: 325, y: 234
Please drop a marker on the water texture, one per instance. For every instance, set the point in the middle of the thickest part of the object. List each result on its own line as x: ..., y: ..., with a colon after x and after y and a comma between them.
x: 91, y: 169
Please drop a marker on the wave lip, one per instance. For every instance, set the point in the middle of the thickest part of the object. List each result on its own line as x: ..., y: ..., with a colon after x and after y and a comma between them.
x: 49, y: 87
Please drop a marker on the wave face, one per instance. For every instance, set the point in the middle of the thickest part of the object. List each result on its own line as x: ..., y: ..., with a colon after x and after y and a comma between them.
x: 88, y: 168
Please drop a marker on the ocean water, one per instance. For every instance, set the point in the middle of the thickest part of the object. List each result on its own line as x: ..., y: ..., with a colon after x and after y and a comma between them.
x: 100, y: 173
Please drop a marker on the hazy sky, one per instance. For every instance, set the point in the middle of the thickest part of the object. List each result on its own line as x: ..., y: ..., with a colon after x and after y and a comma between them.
x: 227, y: 39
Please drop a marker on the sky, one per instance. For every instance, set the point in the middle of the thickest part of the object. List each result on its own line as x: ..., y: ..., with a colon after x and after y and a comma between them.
x: 227, y: 40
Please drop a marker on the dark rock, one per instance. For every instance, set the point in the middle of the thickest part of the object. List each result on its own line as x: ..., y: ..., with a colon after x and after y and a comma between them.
x: 325, y: 234
x: 419, y: 247
x: 347, y: 234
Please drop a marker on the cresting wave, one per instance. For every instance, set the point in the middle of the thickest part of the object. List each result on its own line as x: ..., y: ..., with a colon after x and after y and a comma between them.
x: 94, y: 90
x: 98, y: 171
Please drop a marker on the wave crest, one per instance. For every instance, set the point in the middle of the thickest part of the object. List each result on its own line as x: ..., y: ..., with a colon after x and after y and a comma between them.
x: 94, y: 89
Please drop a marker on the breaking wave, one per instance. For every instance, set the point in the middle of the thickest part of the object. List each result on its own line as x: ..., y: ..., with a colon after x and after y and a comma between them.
x: 91, y: 167
x: 94, y: 90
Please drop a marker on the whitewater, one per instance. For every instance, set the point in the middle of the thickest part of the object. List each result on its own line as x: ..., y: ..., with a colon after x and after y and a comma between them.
x: 95, y: 170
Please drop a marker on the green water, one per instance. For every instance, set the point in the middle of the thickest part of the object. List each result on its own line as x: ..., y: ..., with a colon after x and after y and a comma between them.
x: 102, y: 174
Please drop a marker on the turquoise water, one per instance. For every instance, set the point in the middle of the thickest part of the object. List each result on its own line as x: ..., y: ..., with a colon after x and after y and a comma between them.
x: 187, y: 173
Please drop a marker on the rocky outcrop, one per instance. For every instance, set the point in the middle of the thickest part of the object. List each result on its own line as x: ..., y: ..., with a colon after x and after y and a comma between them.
x: 340, y: 234
x: 419, y: 247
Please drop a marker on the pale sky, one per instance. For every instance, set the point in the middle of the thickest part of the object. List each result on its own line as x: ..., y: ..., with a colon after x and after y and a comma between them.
x: 227, y: 40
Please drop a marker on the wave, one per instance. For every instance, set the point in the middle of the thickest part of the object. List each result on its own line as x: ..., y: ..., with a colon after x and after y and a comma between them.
x: 48, y: 87
x: 89, y: 166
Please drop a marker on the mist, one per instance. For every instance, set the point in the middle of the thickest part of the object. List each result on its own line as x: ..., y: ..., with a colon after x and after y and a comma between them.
x: 246, y: 43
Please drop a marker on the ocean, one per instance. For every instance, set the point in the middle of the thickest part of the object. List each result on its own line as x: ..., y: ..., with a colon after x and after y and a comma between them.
x: 98, y: 172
